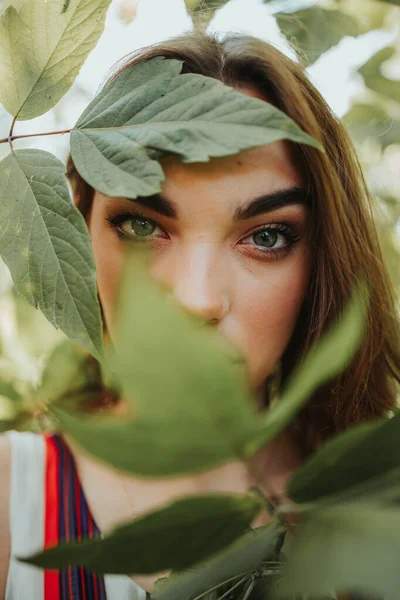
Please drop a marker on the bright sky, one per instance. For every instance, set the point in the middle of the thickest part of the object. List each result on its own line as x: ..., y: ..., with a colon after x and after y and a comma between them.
x: 156, y: 20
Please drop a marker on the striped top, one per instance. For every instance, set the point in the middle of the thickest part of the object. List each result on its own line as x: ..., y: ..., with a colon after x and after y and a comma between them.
x: 48, y: 507
x: 67, y: 519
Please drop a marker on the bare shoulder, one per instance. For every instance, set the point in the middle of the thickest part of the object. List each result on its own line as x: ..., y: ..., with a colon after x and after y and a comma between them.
x: 5, y: 477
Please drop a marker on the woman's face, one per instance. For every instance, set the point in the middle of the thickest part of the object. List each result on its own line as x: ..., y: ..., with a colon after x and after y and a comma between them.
x: 231, y: 241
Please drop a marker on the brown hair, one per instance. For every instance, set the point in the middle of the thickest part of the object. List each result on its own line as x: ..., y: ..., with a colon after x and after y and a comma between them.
x: 345, y: 245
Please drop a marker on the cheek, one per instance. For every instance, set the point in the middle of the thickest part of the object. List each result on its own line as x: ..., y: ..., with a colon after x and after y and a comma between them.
x: 109, y: 261
x: 267, y: 307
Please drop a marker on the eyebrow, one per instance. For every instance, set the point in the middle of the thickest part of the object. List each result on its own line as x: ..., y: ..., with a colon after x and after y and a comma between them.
x: 272, y: 201
x: 262, y: 204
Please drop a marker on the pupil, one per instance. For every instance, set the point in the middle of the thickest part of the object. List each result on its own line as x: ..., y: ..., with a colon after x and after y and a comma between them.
x: 266, y: 238
x: 143, y: 227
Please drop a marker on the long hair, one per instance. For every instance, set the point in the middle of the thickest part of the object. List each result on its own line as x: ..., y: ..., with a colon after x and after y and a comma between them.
x: 344, y: 240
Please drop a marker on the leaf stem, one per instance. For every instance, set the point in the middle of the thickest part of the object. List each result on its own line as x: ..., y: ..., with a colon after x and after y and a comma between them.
x: 11, y: 137
x: 10, y: 134
x: 233, y: 587
x: 243, y: 575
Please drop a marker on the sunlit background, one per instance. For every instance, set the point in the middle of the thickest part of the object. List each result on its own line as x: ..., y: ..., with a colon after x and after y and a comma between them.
x: 352, y: 49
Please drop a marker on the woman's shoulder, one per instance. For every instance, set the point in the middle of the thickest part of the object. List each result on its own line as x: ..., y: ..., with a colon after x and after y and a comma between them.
x: 21, y: 497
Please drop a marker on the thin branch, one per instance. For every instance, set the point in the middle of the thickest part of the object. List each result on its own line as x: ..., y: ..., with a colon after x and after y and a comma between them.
x: 11, y: 137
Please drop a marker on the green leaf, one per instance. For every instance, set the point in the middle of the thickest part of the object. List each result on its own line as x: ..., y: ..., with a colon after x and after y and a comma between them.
x: 349, y: 549
x: 10, y: 405
x: 198, y: 407
x: 204, y: 10
x: 375, y: 80
x: 196, y: 6
x: 43, y: 47
x: 175, y: 537
x: 315, y: 30
x: 46, y: 245
x: 151, y: 106
x: 395, y: 2
x: 244, y: 556
x: 372, y: 121
x: 342, y: 463
x: 327, y: 358
x: 369, y: 14
x: 66, y: 373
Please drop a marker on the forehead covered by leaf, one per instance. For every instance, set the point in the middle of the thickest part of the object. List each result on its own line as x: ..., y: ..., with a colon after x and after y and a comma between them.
x: 151, y: 106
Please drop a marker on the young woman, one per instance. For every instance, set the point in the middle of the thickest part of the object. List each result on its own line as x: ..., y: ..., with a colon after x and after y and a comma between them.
x: 265, y: 245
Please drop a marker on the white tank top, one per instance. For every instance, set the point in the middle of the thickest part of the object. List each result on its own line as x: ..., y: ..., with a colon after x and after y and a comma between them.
x: 27, y: 505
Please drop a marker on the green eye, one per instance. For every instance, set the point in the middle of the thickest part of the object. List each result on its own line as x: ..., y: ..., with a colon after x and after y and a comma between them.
x: 141, y: 227
x: 266, y: 238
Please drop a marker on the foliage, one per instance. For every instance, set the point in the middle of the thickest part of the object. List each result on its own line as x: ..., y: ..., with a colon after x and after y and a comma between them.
x: 210, y: 521
x: 191, y: 116
x: 46, y: 245
x: 374, y: 78
x: 315, y: 30
x: 343, y: 503
x: 203, y: 11
x: 222, y: 422
x: 45, y: 66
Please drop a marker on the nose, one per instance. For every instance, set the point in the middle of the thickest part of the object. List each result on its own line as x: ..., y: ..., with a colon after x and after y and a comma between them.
x: 198, y: 281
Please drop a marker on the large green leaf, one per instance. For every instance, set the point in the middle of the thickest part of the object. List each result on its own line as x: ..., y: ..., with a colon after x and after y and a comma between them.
x: 43, y: 46
x: 244, y: 556
x: 352, y: 458
x: 151, y: 106
x: 314, y: 30
x: 46, y: 245
x: 374, y: 78
x: 395, y: 2
x: 175, y: 537
x: 188, y: 390
x: 328, y: 357
x: 380, y: 490
x: 372, y: 121
x: 350, y: 549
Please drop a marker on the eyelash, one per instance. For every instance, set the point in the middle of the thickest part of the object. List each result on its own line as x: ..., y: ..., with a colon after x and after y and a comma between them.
x: 289, y: 231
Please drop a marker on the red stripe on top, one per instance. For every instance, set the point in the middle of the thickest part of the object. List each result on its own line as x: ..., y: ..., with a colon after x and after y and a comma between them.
x: 51, y: 508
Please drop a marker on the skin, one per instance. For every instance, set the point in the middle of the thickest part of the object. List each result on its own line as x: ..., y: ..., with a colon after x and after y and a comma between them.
x: 216, y: 270
x: 211, y: 263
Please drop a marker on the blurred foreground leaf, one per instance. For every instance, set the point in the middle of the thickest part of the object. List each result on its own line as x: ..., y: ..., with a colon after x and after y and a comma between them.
x: 349, y: 549
x: 152, y: 106
x: 68, y: 372
x: 315, y: 30
x: 352, y: 458
x: 244, y: 556
x: 43, y: 47
x: 198, y: 408
x: 327, y: 358
x: 174, y: 537
x: 45, y: 243
x: 10, y: 405
x: 186, y: 388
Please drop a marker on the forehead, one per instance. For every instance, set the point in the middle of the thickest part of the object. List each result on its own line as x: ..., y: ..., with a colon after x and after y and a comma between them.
x: 245, y: 175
